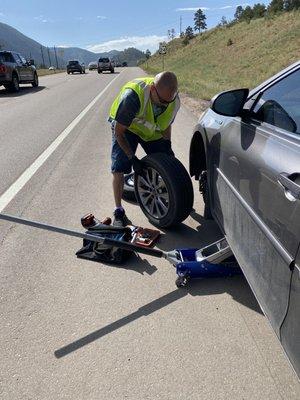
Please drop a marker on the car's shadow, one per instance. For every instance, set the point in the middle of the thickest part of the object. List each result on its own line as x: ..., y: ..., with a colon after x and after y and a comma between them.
x: 236, y: 287
x: 23, y: 91
x: 182, y: 236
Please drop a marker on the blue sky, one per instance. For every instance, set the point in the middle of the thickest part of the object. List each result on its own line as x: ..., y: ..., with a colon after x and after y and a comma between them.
x: 105, y: 25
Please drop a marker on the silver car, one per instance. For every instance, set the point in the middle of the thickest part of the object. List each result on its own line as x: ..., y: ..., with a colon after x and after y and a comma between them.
x: 245, y: 152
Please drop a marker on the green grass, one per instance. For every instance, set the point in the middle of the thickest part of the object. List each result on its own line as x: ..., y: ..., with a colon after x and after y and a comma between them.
x: 42, y: 72
x: 207, y: 65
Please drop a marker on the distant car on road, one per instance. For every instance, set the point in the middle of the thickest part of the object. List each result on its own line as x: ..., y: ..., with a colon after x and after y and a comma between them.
x: 75, y: 66
x: 245, y: 152
x: 105, y: 64
x: 52, y: 68
x: 14, y: 69
x: 93, y: 65
x: 124, y: 64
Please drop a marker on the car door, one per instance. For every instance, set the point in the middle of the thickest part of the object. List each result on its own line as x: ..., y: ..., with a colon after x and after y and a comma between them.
x: 256, y: 191
x: 21, y: 68
x: 290, y: 331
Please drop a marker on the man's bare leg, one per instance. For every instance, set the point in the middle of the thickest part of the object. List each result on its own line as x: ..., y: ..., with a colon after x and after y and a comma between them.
x: 118, y: 187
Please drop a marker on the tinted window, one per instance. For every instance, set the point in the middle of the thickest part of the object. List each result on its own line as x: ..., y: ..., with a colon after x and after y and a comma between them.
x: 280, y: 104
x: 17, y: 58
x: 73, y: 62
x: 6, y: 57
x: 106, y: 60
x: 22, y: 59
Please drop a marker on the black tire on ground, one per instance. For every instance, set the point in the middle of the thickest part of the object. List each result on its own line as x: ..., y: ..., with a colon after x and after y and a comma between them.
x: 68, y: 73
x: 112, y: 71
x: 172, y: 197
x: 14, y: 86
x: 99, y: 71
x: 35, y: 82
x: 128, y: 192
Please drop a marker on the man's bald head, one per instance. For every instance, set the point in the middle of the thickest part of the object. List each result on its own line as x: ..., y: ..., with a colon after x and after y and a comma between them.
x: 166, y: 86
x: 166, y: 80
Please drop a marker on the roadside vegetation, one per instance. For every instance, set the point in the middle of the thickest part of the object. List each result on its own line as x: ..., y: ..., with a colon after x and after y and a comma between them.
x: 45, y: 71
x: 239, y: 53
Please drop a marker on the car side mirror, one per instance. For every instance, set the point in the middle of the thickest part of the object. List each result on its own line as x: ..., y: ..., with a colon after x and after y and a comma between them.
x: 230, y: 103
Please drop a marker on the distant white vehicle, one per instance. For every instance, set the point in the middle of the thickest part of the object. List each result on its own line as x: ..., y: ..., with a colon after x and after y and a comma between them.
x: 93, y: 65
x: 52, y: 68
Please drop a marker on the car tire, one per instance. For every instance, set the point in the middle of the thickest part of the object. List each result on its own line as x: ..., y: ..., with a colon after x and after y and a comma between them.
x: 99, y: 71
x: 14, y: 86
x: 112, y: 71
x: 35, y: 82
x: 165, y: 191
x: 204, y: 190
x: 68, y: 73
x: 128, y: 191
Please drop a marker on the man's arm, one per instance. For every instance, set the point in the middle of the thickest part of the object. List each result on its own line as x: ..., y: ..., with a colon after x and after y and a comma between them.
x: 167, y: 133
x: 121, y: 139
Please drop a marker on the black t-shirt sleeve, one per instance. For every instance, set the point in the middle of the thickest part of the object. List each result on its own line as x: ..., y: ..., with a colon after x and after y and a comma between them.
x: 128, y: 108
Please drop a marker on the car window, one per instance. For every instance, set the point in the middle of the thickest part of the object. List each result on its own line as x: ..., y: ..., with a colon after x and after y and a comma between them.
x: 17, y: 58
x: 6, y: 57
x: 106, y: 60
x: 280, y: 104
x: 22, y: 59
x: 73, y: 62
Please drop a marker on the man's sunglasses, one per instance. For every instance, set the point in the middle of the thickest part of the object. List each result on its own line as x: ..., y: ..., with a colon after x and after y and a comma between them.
x: 163, y: 101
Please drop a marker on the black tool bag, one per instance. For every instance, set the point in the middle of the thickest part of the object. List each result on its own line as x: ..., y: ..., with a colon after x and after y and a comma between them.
x: 103, y: 252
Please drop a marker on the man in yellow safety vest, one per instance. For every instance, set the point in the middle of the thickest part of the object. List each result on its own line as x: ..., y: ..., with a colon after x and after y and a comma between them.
x: 142, y: 113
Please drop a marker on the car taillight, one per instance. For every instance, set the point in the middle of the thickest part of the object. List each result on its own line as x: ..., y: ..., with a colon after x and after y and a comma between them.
x: 2, y: 69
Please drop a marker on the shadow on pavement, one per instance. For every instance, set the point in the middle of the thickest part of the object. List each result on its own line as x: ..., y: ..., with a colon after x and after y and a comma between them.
x: 237, y: 287
x: 183, y: 236
x: 22, y: 91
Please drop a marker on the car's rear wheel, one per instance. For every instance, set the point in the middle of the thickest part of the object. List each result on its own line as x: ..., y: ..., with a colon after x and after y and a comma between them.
x: 99, y: 71
x: 112, y: 71
x: 14, y: 86
x: 164, y: 191
x: 35, y: 82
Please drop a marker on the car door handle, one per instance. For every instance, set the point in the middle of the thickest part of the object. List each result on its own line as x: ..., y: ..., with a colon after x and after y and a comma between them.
x: 288, y: 182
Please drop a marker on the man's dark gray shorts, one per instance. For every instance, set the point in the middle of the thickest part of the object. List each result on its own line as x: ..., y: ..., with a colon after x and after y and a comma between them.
x: 119, y: 160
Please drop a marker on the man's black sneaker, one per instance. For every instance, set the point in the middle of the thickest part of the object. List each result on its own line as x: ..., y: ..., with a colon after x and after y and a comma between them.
x: 120, y: 218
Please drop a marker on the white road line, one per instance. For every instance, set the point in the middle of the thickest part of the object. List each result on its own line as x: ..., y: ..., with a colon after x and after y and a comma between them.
x: 14, y: 189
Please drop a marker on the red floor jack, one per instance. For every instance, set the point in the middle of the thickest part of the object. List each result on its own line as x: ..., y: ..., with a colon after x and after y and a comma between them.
x: 214, y: 260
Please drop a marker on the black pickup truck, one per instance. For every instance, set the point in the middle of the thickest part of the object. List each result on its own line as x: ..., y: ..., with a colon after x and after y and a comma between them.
x: 14, y: 69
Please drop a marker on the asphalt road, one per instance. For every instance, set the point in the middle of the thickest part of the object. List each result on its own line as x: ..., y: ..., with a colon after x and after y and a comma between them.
x: 73, y: 329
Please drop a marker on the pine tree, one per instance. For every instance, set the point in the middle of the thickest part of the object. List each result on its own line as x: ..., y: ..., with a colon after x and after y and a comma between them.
x: 199, y: 20
x: 238, y: 13
x: 276, y: 6
x: 247, y: 14
x: 148, y: 54
x: 189, y: 33
x: 259, y: 10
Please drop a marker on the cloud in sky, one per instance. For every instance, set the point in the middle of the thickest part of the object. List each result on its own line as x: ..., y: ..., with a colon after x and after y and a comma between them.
x: 140, y: 42
x: 208, y: 8
x: 41, y: 18
x: 192, y: 9
x: 101, y: 17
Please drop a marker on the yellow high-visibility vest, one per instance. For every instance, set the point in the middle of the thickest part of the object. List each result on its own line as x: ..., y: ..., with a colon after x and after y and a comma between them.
x: 144, y: 124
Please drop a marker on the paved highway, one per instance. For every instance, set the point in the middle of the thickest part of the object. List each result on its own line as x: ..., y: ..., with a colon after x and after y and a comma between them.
x: 73, y: 329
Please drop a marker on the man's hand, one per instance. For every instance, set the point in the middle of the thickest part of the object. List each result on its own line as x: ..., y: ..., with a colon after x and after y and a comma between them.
x: 137, y: 165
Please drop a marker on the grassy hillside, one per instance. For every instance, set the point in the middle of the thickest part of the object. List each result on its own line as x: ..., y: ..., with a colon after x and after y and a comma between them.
x: 207, y: 65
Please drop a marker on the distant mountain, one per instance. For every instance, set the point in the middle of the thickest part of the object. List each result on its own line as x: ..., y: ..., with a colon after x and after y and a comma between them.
x: 12, y: 39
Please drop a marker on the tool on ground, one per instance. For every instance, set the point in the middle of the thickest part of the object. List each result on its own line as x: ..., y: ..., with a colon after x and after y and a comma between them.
x: 189, y: 263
